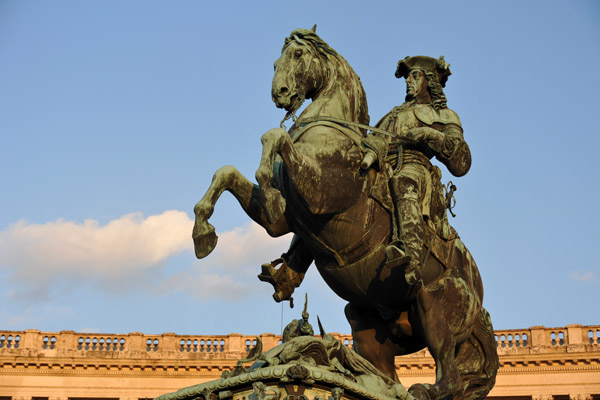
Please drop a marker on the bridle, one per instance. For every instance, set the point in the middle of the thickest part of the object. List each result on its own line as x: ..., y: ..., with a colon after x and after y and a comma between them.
x: 292, y: 113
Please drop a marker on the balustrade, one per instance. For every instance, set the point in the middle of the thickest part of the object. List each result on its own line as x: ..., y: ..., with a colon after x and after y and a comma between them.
x: 236, y: 345
x: 202, y: 345
x: 48, y: 342
x: 94, y: 342
x: 250, y: 344
x: 558, y: 337
x: 594, y: 336
x: 347, y: 341
x: 152, y: 344
x: 512, y: 339
x: 10, y: 340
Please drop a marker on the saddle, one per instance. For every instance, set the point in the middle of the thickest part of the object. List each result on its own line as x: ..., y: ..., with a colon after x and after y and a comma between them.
x: 439, y: 247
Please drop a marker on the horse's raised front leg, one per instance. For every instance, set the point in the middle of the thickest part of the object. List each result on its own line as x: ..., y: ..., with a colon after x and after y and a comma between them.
x: 272, y: 201
x: 313, y: 167
x: 230, y: 179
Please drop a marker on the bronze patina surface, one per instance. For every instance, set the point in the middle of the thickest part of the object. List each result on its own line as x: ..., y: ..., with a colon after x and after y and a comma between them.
x: 369, y: 209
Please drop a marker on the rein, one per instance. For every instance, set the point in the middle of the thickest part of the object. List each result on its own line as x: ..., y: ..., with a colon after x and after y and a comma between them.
x: 343, y: 123
x: 348, y: 123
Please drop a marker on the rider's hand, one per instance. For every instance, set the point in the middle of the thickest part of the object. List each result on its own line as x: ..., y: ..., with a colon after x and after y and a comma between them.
x: 426, y: 134
x: 368, y: 159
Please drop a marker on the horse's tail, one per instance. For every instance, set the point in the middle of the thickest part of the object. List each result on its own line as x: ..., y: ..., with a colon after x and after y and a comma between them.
x: 477, y: 359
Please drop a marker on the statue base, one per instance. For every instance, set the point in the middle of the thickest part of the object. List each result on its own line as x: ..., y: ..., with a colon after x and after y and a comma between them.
x: 305, y: 368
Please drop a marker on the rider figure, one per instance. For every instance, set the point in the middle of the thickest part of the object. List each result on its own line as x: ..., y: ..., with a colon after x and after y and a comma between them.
x: 423, y: 127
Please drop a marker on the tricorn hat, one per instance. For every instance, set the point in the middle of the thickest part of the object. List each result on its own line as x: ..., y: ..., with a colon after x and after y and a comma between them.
x: 438, y: 66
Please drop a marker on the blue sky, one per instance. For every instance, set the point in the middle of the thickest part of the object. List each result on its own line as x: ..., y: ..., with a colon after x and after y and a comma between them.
x: 114, y: 116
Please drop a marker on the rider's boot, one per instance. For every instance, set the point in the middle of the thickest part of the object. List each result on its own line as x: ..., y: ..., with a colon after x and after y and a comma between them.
x: 411, y: 235
x: 286, y: 278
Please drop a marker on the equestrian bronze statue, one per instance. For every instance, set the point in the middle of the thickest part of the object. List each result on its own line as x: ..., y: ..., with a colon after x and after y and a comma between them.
x: 369, y: 210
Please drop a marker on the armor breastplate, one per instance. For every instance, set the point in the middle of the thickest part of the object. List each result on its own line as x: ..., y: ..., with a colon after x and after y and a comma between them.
x: 422, y: 115
x: 405, y: 120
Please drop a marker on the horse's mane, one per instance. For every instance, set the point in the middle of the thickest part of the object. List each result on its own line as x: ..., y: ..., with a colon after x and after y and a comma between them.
x: 345, y: 73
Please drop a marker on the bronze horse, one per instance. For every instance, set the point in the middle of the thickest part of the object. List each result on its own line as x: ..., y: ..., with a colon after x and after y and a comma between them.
x: 310, y: 182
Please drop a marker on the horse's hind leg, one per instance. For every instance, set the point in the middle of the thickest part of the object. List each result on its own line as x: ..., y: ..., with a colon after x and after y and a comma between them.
x: 448, y: 380
x: 477, y: 359
x: 373, y: 340
x: 445, y: 319
x: 230, y: 179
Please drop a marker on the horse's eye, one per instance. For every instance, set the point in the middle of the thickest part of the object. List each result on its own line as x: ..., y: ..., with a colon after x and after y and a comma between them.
x: 298, y: 53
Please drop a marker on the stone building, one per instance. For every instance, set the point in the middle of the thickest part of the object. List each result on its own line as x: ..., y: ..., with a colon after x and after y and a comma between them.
x: 535, y: 364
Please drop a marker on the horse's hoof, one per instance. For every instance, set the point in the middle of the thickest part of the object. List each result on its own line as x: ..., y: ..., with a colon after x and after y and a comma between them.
x: 419, y: 391
x: 205, y: 239
x: 274, y: 205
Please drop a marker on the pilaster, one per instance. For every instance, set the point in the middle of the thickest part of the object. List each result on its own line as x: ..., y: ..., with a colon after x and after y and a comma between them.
x: 235, y: 343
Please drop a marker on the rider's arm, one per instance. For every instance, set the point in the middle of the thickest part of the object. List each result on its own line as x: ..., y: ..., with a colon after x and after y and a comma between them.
x: 454, y: 152
x: 447, y: 144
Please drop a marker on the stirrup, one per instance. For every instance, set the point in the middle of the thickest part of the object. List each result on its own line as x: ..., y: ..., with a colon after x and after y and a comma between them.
x: 412, y: 274
x: 395, y: 257
x: 393, y: 252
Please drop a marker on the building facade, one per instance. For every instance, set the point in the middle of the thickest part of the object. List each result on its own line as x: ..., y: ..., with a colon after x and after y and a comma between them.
x: 535, y: 364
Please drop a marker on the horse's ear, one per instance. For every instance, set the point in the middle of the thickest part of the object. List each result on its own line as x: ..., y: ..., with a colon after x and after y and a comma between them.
x: 314, y: 28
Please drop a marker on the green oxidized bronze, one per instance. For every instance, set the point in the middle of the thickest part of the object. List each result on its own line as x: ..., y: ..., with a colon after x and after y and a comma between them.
x: 370, y: 211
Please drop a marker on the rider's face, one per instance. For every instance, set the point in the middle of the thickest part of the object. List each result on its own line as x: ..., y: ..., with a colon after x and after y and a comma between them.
x: 416, y: 84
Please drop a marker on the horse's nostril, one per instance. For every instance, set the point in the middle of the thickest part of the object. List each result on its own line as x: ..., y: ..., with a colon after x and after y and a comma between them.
x: 283, y: 91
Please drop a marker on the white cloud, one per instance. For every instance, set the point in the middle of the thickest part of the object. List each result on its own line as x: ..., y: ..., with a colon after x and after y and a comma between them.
x: 130, y: 253
x: 121, y: 247
x: 582, y: 276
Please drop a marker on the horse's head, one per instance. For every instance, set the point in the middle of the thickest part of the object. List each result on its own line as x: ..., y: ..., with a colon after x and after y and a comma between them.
x: 299, y: 72
x: 310, y: 69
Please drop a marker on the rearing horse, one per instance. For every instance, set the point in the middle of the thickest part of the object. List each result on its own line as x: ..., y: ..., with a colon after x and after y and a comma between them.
x: 310, y: 183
